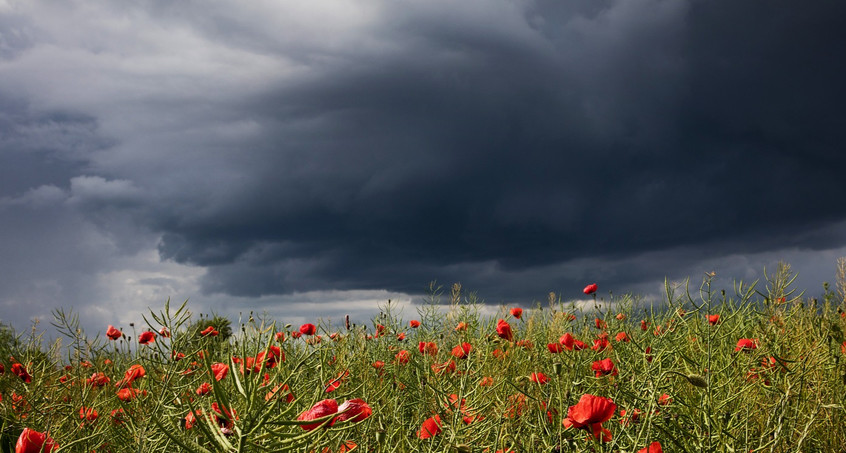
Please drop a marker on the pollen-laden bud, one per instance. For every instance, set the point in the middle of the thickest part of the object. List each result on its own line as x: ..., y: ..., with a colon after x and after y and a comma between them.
x: 697, y: 380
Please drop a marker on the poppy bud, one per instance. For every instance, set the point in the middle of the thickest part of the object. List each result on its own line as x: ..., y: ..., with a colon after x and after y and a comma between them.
x: 697, y: 380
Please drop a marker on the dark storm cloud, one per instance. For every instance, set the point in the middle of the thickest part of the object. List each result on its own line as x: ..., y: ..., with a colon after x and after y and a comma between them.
x: 517, y: 147
x: 533, y: 140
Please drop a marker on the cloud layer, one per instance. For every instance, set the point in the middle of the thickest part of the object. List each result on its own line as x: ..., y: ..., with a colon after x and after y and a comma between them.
x: 257, y: 152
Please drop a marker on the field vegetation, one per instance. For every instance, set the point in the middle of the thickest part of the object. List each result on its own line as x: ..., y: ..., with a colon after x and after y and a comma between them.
x: 753, y: 367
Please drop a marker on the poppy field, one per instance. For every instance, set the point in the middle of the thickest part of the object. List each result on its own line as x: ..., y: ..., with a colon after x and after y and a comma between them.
x: 749, y: 368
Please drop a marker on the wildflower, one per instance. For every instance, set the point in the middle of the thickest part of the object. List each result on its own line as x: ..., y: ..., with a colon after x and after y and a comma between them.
x: 403, y: 356
x: 714, y: 319
x: 486, y: 381
x: 599, y: 323
x: 590, y: 289
x: 401, y: 336
x: 428, y: 348
x: 525, y: 344
x: 539, y: 378
x: 654, y: 447
x: 629, y: 417
x: 430, y: 427
x: 443, y: 367
x: 280, y: 337
x: 117, y: 416
x: 223, y: 415
x: 334, y: 384
x: 31, y: 441
x: 499, y: 353
x: 129, y: 394
x: 88, y: 413
x: 378, y: 364
x: 278, y: 389
x: 219, y: 370
x: 414, y: 323
x: 20, y: 370
x: 517, y: 312
x: 604, y: 367
x: 177, y: 356
x: 273, y: 356
x: 503, y: 329
x: 380, y: 329
x: 203, y: 389
x: 665, y: 399
x: 622, y: 336
x: 644, y: 326
x: 308, y: 329
x: 209, y: 331
x: 146, y: 337
x: 746, y: 344
x: 589, y: 413
x: 113, y: 333
x: 462, y: 326
x: 462, y: 351
x: 355, y: 410
x: 98, y: 379
x: 648, y: 352
x: 134, y: 372
x: 516, y: 406
x: 297, y: 334
x: 319, y: 410
x: 621, y: 316
x: 601, y: 343
x: 555, y: 348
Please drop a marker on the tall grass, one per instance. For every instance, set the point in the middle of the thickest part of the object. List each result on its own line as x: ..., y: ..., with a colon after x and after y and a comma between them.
x: 679, y: 379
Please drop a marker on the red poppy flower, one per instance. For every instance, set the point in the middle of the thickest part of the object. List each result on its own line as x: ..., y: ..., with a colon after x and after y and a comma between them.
x: 567, y: 340
x: 462, y: 351
x: 517, y: 312
x: 428, y: 348
x: 713, y: 320
x: 525, y: 344
x: 117, y: 416
x: 414, y: 323
x: 164, y: 332
x: 31, y: 441
x: 203, y: 389
x: 129, y: 394
x: 604, y: 367
x: 462, y: 326
x: 430, y: 428
x: 220, y: 370
x: 555, y: 348
x: 98, y: 379
x: 590, y: 289
x: 355, y: 410
x: 664, y: 399
x: 599, y: 323
x: 88, y: 413
x: 223, y: 415
x: 113, y: 333
x: 335, y: 384
x: 298, y: 334
x: 622, y: 336
x: 503, y: 329
x: 648, y: 352
x: 134, y: 372
x: 20, y: 370
x: 210, y: 330
x: 589, y: 413
x: 621, y: 316
x: 441, y: 368
x: 308, y: 329
x: 378, y: 364
x: 654, y: 447
x: 401, y: 336
x: 146, y: 337
x: 601, y: 343
x: 319, y: 410
x: 746, y: 344
x: 403, y: 356
x: 280, y: 389
x: 629, y: 417
x: 644, y: 326
x: 486, y: 381
x: 539, y: 378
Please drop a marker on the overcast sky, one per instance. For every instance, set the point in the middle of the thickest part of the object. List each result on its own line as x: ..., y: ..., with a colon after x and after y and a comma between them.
x: 314, y: 158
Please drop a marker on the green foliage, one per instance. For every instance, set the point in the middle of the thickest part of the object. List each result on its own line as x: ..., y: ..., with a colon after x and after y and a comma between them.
x: 681, y: 378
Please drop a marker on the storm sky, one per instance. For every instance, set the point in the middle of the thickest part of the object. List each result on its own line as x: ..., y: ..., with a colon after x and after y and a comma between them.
x: 314, y: 158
